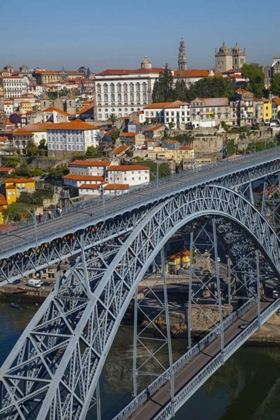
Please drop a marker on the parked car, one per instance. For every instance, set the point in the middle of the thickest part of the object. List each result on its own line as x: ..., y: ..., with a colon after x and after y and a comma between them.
x: 45, y: 283
x: 16, y: 281
x: 244, y: 325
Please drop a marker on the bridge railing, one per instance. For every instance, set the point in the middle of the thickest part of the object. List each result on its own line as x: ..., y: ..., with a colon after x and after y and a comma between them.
x: 215, y: 363
x: 91, y: 203
x: 180, y: 363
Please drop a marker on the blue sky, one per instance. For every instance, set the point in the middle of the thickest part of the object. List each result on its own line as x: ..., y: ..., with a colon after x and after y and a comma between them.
x: 118, y: 33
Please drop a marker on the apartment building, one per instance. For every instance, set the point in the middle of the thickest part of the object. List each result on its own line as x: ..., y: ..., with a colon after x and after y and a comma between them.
x: 69, y: 137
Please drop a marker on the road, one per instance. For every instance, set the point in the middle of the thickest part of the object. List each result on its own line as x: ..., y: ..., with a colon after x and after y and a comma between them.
x: 92, y: 212
x: 153, y: 405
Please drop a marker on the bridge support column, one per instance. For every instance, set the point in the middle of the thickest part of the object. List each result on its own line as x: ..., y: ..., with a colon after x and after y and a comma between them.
x: 229, y: 288
x: 251, y: 195
x: 258, y: 287
x: 168, y: 333
x: 58, y: 277
x: 218, y: 287
x: 190, y: 291
x: 98, y: 402
x: 135, y: 338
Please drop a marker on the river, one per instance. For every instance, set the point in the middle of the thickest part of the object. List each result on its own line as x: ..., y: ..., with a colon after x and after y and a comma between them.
x: 247, y: 387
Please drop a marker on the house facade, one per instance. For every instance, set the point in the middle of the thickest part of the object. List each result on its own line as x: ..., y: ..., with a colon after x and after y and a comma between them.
x: 70, y: 137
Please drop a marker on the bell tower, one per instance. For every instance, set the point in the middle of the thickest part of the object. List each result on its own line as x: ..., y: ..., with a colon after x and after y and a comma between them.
x: 182, y: 57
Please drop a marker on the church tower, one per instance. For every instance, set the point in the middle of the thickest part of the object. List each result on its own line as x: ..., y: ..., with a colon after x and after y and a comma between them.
x: 182, y: 57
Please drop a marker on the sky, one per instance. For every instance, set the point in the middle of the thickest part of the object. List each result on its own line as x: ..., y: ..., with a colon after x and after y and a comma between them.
x: 118, y: 33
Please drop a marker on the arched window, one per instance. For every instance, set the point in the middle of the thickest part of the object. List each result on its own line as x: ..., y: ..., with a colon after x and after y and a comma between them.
x: 131, y: 87
x: 105, y: 88
x: 137, y: 87
x: 98, y: 88
x: 113, y: 97
x: 106, y: 98
x: 119, y: 97
x: 144, y: 86
x: 112, y: 86
x: 125, y: 87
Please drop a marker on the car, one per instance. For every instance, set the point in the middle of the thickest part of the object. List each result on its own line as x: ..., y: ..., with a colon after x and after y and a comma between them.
x: 16, y: 281
x: 243, y: 326
x: 45, y: 283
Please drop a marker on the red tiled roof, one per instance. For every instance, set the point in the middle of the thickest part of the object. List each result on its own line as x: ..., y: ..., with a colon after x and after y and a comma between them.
x: 90, y: 163
x: 157, y: 127
x: 128, y: 168
x: 59, y: 111
x: 128, y: 134
x: 121, y: 149
x: 85, y: 109
x: 77, y: 177
x: 113, y: 187
x: 73, y: 125
x: 3, y: 201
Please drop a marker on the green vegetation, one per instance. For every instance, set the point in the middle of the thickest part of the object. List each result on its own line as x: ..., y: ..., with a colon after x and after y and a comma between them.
x: 91, y: 152
x: 231, y: 147
x: 11, y: 161
x: 163, y: 88
x: 254, y: 73
x: 35, y: 198
x: 57, y: 174
x: 185, y: 139
x: 208, y: 87
x: 15, y: 212
x: 163, y: 168
x: 275, y: 84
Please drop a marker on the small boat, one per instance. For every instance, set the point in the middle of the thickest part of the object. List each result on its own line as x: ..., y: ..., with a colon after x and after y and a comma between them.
x: 14, y: 305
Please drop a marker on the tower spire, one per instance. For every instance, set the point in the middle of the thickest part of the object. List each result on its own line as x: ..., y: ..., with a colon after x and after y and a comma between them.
x: 182, y: 57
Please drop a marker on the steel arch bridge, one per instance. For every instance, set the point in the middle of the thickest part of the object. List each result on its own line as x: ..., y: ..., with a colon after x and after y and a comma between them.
x: 55, y: 367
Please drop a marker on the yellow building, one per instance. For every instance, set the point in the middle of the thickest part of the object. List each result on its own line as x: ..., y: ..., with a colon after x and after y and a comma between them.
x: 25, y: 107
x: 179, y: 259
x: 267, y: 111
x: 13, y: 188
x: 3, y: 206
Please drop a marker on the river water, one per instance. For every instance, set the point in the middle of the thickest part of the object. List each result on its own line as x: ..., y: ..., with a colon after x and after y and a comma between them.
x: 247, y: 387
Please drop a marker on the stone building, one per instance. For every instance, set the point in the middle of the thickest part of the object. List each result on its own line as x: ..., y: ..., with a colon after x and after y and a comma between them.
x: 229, y: 58
x: 182, y: 57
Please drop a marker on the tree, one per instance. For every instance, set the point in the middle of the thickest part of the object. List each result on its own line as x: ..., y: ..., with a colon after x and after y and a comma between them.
x: 113, y: 118
x: 31, y: 149
x: 275, y: 84
x: 210, y: 87
x: 163, y: 87
x: 91, y: 152
x: 180, y: 91
x: 255, y: 75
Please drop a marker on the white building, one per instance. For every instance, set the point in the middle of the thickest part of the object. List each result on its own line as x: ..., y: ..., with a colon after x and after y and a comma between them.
x: 209, y: 112
x: 177, y: 114
x: 89, y: 167
x: 121, y: 91
x: 129, y: 174
x: 14, y: 86
x: 33, y: 132
x: 74, y: 180
x: 8, y: 107
x: 75, y: 136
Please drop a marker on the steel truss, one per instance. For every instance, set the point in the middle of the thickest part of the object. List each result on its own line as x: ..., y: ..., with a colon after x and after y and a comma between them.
x: 54, y: 368
x: 19, y: 259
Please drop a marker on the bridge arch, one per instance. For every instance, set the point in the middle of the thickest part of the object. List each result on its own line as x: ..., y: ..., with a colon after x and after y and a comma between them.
x: 106, y: 305
x: 144, y: 243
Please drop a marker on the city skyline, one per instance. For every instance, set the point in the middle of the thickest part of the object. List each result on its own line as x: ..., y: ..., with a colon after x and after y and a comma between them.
x: 114, y: 35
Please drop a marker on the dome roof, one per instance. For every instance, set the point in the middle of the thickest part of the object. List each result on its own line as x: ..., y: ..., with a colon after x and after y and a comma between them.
x: 146, y: 60
x: 24, y: 66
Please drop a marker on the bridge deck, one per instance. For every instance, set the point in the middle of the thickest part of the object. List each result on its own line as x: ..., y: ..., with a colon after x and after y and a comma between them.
x: 91, y: 212
x: 154, y: 404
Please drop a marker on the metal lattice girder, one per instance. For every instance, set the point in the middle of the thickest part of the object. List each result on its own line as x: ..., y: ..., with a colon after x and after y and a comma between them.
x: 22, y: 254
x: 55, y: 367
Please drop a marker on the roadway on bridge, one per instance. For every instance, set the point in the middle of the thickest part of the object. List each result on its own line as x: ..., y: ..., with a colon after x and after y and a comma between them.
x: 159, y: 399
x: 92, y: 212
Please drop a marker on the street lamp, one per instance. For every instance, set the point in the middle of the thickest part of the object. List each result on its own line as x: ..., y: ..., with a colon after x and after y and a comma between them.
x: 33, y: 215
x: 101, y: 191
